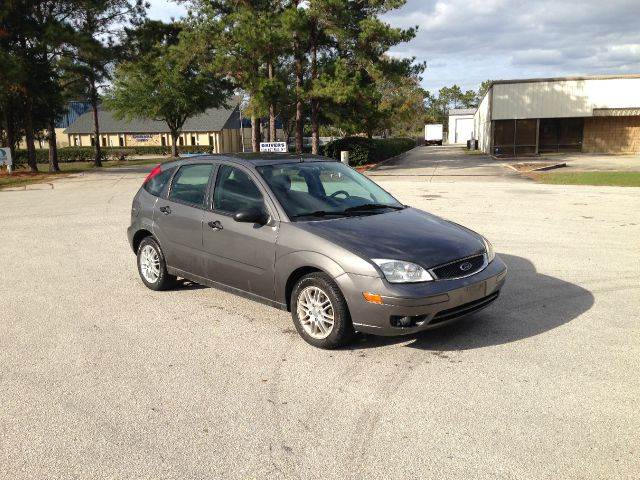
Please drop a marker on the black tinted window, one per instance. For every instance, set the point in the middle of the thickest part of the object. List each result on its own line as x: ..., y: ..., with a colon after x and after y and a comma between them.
x: 190, y: 184
x: 157, y: 183
x: 235, y: 191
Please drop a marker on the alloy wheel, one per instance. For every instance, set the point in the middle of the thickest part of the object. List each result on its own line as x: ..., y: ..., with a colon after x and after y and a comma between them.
x: 315, y: 312
x: 150, y: 264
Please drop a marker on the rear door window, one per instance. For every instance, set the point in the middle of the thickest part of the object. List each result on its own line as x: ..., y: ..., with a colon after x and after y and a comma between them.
x: 156, y: 185
x: 190, y: 184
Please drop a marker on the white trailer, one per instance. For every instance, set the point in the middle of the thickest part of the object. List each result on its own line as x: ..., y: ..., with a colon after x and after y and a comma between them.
x: 433, y: 134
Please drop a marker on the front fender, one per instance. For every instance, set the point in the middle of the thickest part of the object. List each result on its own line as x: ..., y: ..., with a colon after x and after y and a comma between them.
x: 291, y: 262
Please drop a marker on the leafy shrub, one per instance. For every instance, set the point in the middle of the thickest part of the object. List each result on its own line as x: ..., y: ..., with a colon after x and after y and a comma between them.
x: 86, y: 154
x: 368, y: 150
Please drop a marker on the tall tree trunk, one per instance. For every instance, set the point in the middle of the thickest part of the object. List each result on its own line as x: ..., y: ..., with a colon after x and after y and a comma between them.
x: 53, y: 148
x: 272, y: 110
x: 272, y: 123
x: 255, y: 133
x: 28, y: 126
x: 241, y: 127
x: 174, y: 143
x: 11, y: 133
x: 299, y: 108
x: 299, y: 104
x: 97, y: 161
x: 315, y: 106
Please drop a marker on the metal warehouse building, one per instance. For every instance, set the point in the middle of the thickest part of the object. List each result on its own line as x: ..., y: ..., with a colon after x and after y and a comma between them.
x: 460, y: 125
x: 598, y: 114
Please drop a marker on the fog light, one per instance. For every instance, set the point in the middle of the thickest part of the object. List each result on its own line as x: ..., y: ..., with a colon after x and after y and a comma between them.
x: 372, y: 298
x: 405, y: 322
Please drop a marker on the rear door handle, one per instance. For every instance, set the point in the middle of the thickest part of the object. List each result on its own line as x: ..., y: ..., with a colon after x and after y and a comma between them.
x: 216, y: 225
x: 166, y: 210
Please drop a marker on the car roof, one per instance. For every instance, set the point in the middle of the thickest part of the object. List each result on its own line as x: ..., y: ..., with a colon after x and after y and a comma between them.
x: 253, y: 159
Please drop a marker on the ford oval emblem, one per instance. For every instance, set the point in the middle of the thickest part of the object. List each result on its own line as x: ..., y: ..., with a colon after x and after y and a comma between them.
x: 466, y: 266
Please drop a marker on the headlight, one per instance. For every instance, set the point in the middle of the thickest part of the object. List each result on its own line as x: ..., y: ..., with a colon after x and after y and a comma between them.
x: 397, y: 271
x: 491, y: 254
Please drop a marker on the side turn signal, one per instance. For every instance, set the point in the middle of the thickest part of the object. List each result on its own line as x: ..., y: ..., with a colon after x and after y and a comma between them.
x: 372, y: 298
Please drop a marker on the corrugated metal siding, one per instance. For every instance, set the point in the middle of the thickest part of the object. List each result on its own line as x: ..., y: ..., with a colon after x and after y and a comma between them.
x: 572, y: 98
x: 482, y: 125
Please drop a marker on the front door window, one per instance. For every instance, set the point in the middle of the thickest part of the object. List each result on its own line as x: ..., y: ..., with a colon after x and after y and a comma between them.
x: 235, y: 191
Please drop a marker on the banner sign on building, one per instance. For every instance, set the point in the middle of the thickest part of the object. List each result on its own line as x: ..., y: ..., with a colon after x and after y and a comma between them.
x: 279, y: 147
x: 5, y: 157
x: 145, y: 137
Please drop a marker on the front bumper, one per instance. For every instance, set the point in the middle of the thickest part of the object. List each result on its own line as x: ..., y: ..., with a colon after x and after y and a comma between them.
x: 428, y: 304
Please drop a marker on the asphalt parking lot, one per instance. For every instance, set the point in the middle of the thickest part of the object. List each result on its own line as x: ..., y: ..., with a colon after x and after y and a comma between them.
x: 102, y: 378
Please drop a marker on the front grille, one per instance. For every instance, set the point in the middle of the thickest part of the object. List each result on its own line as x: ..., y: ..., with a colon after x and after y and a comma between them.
x: 460, y: 268
x: 463, y: 309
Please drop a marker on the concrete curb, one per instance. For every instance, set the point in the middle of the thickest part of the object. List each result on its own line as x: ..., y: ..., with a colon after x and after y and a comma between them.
x: 549, y: 167
x: 377, y: 165
x: 539, y: 169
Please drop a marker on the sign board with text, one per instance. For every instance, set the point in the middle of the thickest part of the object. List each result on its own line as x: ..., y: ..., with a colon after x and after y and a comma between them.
x: 5, y: 157
x: 144, y: 137
x: 278, y: 147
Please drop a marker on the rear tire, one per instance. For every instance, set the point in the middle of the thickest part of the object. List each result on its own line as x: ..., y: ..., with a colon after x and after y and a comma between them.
x: 152, y: 266
x: 320, y: 313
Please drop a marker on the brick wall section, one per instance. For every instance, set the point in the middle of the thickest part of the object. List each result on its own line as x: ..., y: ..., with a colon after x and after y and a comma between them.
x: 611, y: 135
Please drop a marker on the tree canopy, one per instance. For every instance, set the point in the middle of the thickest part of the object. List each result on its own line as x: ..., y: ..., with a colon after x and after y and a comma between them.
x: 169, y: 82
x: 306, y: 64
x: 447, y: 98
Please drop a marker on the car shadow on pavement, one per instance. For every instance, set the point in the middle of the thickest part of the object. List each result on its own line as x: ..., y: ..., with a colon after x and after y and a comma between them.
x: 184, y: 284
x: 530, y: 304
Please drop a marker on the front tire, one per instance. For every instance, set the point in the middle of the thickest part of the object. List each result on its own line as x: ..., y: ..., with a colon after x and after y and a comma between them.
x: 152, y: 266
x: 320, y: 313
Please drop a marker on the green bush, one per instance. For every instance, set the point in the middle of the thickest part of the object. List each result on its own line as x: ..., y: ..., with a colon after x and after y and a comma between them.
x: 85, y: 154
x: 368, y: 150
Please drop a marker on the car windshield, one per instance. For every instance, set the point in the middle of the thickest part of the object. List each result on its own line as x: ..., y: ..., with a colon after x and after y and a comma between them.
x: 325, y: 189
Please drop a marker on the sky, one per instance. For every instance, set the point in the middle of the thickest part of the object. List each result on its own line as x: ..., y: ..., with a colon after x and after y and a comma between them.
x: 467, y: 41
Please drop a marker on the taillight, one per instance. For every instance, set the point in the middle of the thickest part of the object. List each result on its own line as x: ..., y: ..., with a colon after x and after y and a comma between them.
x: 156, y: 171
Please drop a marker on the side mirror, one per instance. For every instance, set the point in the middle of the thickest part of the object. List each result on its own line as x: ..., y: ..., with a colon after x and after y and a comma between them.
x: 252, y: 215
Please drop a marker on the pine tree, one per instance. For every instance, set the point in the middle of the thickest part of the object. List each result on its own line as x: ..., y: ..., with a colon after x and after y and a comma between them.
x: 96, y: 24
x: 170, y: 82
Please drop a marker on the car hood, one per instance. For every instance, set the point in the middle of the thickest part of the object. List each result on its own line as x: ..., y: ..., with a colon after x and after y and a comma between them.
x: 408, y: 234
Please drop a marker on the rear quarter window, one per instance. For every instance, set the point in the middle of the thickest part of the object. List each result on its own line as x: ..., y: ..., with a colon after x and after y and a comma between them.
x: 156, y: 185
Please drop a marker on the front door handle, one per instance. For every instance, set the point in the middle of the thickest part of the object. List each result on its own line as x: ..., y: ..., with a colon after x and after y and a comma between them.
x: 216, y: 225
x: 166, y: 210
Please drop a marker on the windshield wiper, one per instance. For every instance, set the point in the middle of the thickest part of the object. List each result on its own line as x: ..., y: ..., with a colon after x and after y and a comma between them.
x: 372, y: 206
x: 319, y: 213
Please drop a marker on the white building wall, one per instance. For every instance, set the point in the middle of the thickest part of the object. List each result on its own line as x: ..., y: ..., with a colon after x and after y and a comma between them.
x: 452, y: 124
x: 564, y: 98
x: 482, y: 125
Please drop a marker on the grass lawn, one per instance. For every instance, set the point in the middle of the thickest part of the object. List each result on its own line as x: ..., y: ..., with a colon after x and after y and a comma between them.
x: 613, y: 179
x: 22, y: 176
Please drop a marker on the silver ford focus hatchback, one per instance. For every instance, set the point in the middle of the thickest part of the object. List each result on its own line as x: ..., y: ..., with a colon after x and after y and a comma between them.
x: 311, y: 236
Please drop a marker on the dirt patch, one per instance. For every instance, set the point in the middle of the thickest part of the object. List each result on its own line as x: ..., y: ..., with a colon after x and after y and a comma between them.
x: 22, y: 174
x: 364, y: 168
x: 23, y: 178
